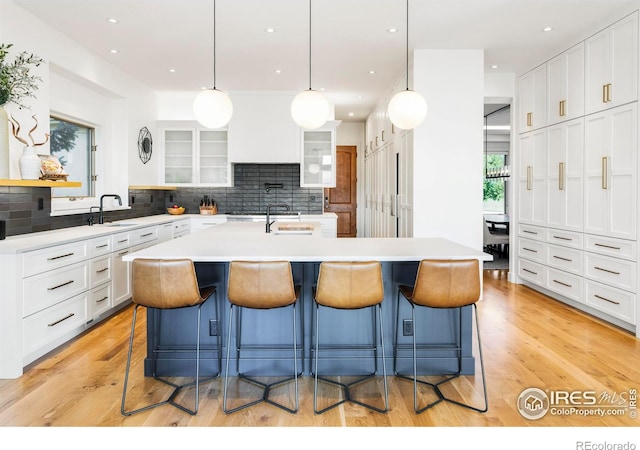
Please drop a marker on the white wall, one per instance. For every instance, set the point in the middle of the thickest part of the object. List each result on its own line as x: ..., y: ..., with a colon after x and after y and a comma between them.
x: 80, y: 84
x: 447, y: 153
x: 353, y: 133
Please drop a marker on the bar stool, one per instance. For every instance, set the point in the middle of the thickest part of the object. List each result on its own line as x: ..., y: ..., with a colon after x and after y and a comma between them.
x: 350, y: 286
x: 260, y: 285
x: 442, y: 284
x: 167, y: 284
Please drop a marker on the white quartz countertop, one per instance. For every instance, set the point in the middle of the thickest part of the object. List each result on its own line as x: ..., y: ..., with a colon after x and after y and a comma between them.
x: 248, y: 241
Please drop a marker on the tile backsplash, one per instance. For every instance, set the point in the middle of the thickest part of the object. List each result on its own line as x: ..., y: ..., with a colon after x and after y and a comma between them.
x: 27, y: 210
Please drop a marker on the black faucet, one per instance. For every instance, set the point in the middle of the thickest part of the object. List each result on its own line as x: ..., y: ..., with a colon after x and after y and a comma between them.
x: 90, y: 220
x: 116, y: 196
x: 273, y: 205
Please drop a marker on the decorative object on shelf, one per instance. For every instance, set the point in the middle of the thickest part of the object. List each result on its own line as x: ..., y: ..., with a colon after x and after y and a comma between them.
x: 175, y: 210
x: 145, y: 145
x: 212, y: 107
x: 493, y: 172
x: 51, y: 168
x: 16, y: 83
x: 310, y: 109
x: 30, y: 164
x: 407, y: 109
x: 208, y: 206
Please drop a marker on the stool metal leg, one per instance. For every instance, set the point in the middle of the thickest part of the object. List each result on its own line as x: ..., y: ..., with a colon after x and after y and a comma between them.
x: 177, y: 388
x: 265, y: 387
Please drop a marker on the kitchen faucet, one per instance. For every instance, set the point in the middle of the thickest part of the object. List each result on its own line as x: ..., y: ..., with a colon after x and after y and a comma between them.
x: 116, y: 196
x: 273, y: 205
x: 90, y: 220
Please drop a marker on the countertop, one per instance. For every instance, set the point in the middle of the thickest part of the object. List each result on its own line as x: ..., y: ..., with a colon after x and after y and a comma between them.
x: 223, y: 243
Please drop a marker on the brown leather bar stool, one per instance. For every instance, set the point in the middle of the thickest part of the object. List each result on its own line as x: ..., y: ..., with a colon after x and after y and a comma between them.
x: 167, y: 284
x: 260, y: 285
x: 350, y: 286
x: 442, y: 284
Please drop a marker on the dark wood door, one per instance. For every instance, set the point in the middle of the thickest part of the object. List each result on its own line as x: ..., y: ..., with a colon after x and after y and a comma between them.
x: 342, y: 198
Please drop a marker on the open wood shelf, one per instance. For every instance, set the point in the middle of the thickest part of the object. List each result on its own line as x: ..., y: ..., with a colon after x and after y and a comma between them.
x: 39, y: 183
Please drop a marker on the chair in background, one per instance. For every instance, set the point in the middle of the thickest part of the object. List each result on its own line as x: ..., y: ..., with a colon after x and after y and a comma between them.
x: 260, y: 285
x: 167, y: 284
x: 442, y: 284
x: 494, y: 241
x: 350, y: 286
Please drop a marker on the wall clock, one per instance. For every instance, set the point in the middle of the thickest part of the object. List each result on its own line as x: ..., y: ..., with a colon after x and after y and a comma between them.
x: 145, y: 145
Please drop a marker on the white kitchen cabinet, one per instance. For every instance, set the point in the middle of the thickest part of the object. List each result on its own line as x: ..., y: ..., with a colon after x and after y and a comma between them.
x: 564, y: 203
x: 611, y: 66
x: 262, y: 129
x: 611, y: 148
x: 204, y: 221
x: 318, y: 157
x: 120, y: 270
x: 165, y: 232
x: 532, y: 107
x: 181, y: 228
x: 196, y: 156
x: 565, y: 85
x: 532, y: 177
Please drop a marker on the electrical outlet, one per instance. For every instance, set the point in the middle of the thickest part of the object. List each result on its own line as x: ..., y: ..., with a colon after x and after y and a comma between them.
x: 407, y: 327
x: 213, y: 327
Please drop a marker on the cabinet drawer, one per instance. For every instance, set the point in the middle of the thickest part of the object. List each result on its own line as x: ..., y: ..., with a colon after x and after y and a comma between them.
x: 121, y: 240
x: 531, y: 271
x: 567, y: 259
x: 615, y: 302
x: 100, y: 246
x: 100, y: 270
x: 564, y: 238
x: 42, y: 328
x: 531, y: 250
x: 46, y: 289
x: 179, y: 234
x: 51, y: 258
x: 619, y: 248
x: 144, y: 235
x: 99, y: 301
x: 565, y: 284
x: 612, y: 271
x: 531, y: 232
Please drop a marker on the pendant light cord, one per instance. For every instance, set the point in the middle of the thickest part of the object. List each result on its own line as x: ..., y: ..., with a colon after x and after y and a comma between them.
x: 214, y: 45
x: 309, y: 44
x: 407, y: 47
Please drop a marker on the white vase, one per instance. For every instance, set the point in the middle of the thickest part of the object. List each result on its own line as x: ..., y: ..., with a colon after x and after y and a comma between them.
x: 4, y: 144
x: 29, y: 164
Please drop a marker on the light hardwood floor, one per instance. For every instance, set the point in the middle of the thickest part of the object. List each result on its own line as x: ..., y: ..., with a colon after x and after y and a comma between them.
x: 529, y: 340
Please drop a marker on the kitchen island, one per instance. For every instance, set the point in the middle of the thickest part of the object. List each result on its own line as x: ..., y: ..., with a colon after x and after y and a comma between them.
x: 211, y: 250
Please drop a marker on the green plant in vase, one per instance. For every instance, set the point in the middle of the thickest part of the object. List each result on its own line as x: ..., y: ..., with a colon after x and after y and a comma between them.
x: 16, y: 80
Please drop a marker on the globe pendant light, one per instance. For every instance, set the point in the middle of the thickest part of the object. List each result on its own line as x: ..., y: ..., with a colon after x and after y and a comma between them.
x: 310, y: 109
x: 407, y: 109
x: 212, y: 107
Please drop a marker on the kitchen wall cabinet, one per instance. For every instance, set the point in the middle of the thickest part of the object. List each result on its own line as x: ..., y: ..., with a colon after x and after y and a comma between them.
x: 532, y: 95
x: 611, y: 61
x: 565, y: 85
x: 262, y: 129
x: 195, y: 156
x: 318, y: 157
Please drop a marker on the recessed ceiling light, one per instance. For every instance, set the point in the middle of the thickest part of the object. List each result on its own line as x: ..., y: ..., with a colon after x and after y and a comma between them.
x: 172, y: 70
x: 112, y: 20
x: 351, y: 114
x: 495, y: 66
x: 322, y: 89
x: 392, y: 30
x: 114, y: 51
x: 270, y: 30
x: 359, y: 97
x: 278, y: 71
x: 372, y: 72
x: 545, y: 29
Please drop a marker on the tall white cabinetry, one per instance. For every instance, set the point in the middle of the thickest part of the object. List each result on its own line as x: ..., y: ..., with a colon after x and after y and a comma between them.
x: 577, y: 201
x: 532, y: 88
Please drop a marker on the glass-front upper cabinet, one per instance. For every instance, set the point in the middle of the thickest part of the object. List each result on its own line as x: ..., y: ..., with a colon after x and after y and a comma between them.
x: 318, y: 162
x: 194, y: 156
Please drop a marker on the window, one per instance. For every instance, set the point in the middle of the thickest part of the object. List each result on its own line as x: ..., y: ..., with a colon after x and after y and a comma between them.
x: 72, y: 144
x: 494, y: 188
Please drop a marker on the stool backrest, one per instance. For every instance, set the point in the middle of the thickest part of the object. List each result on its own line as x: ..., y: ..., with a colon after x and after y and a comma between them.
x: 164, y: 283
x: 349, y: 285
x: 261, y: 284
x: 447, y: 283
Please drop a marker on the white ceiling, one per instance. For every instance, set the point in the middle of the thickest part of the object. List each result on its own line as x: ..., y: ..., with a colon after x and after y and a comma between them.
x: 349, y: 38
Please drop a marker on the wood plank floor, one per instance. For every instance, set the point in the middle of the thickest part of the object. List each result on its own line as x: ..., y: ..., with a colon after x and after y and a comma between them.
x: 529, y: 340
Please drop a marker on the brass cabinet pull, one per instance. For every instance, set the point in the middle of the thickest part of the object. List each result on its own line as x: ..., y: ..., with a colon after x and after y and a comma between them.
x: 61, y: 320
x: 562, y: 238
x: 561, y: 176
x: 382, y: 135
x: 529, y: 119
x: 562, y: 258
x: 608, y: 92
x: 604, y: 93
x: 606, y: 299
x: 560, y: 282
x: 606, y: 270
x: 529, y: 178
x: 605, y: 169
x: 377, y: 141
x: 393, y: 129
x: 562, y: 108
x: 102, y: 270
x: 102, y: 299
x: 607, y: 246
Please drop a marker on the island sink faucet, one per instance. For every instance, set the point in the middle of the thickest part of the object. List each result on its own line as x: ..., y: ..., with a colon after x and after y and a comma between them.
x: 116, y: 196
x: 269, y: 206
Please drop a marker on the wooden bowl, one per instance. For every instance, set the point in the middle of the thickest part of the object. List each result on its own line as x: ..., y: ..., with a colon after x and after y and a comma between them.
x: 175, y: 211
